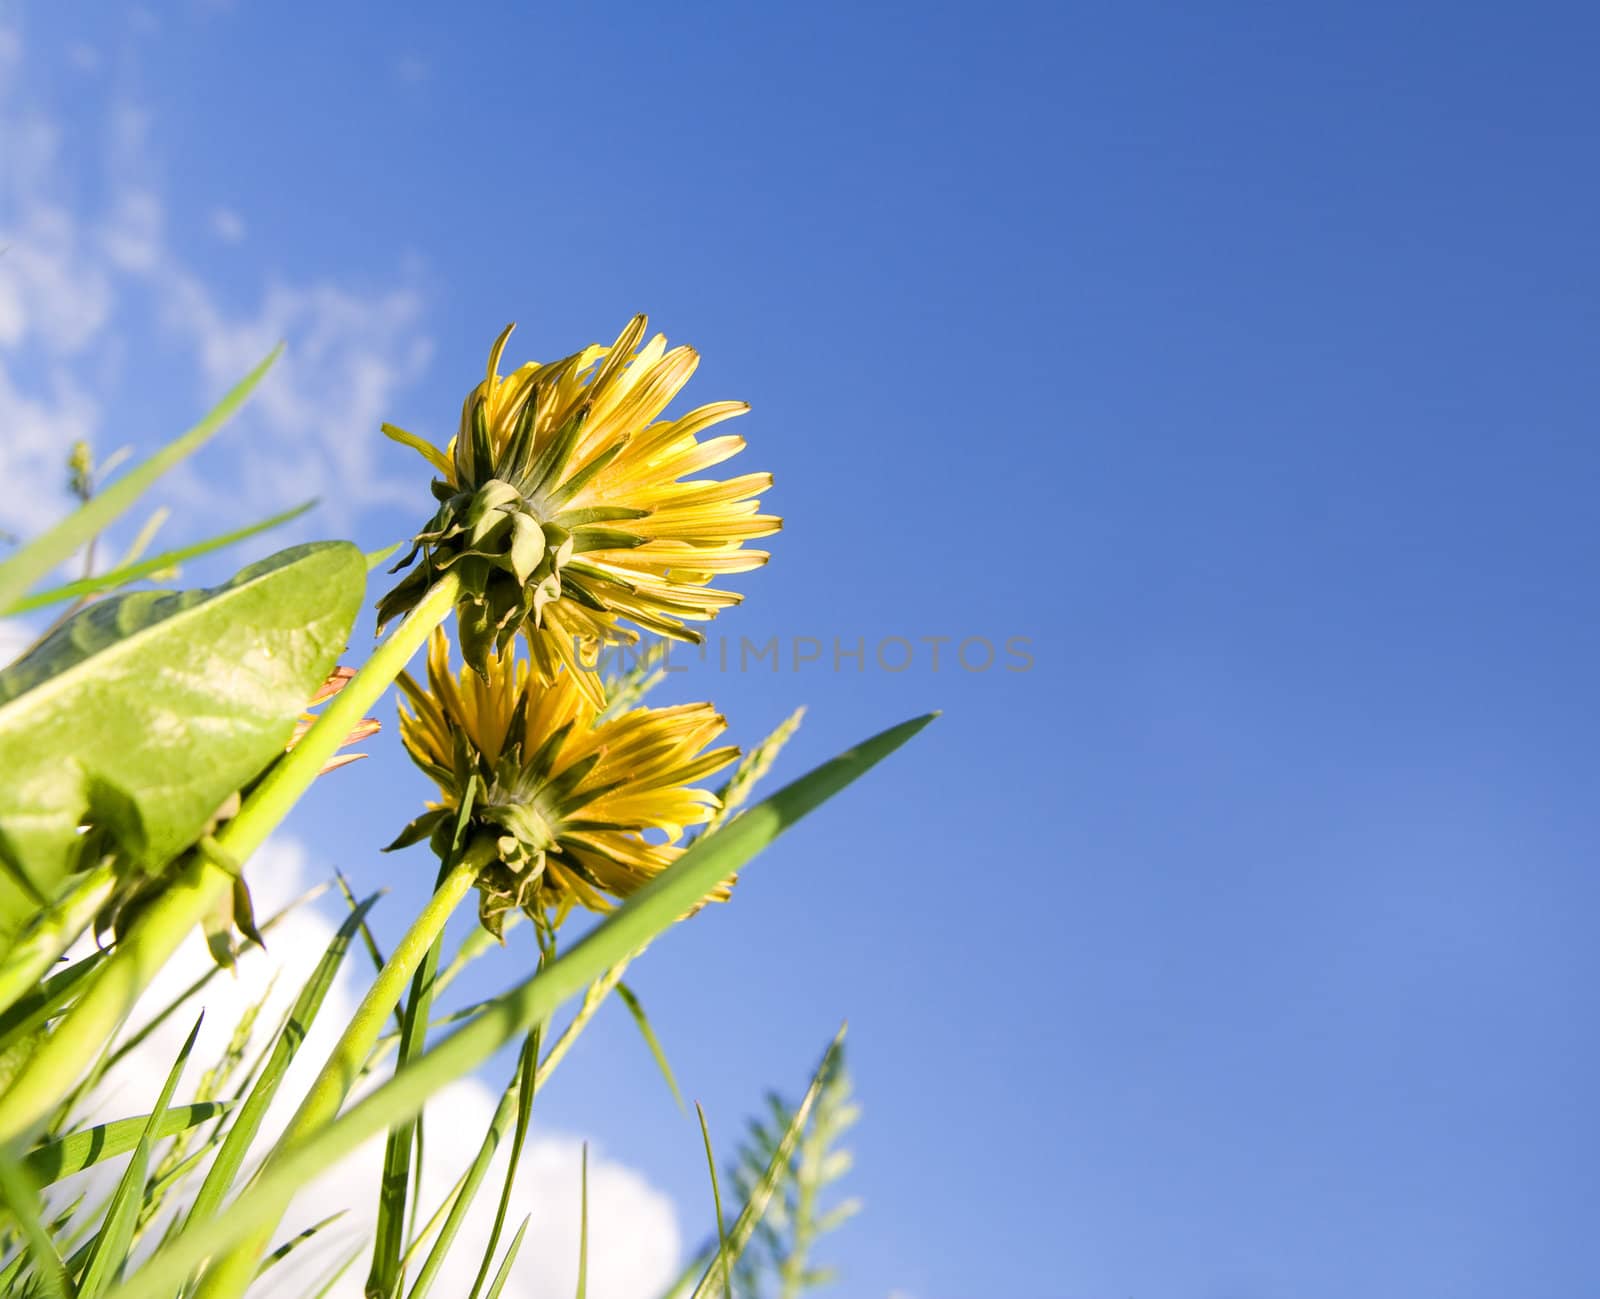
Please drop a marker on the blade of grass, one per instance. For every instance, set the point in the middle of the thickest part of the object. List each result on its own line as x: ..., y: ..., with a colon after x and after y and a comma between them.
x: 387, y: 1043
x: 52, y: 932
x: 461, y: 1199
x: 716, y: 1197
x: 21, y: 1197
x: 142, y: 539
x: 109, y: 1254
x: 32, y: 1012
x: 35, y: 560
x: 294, y: 1242
x: 583, y: 1226
x: 593, y: 998
x: 132, y: 572
x: 631, y: 1001
x: 447, y: 1206
x: 89, y: 1146
x: 243, y: 1130
x: 720, y: 1272
x: 527, y: 1084
x: 137, y: 1039
x: 386, y: 1276
x: 369, y: 941
x: 504, y: 1274
x: 624, y: 931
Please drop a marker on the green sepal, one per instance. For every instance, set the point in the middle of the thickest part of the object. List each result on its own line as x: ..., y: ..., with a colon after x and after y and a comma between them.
x: 552, y: 459
x: 587, y: 539
x: 419, y: 829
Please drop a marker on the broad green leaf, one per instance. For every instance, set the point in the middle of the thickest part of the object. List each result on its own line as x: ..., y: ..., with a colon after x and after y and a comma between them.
x: 79, y: 1150
x: 131, y: 572
x: 632, y: 925
x: 631, y: 1001
x: 35, y: 560
x: 110, y: 1252
x: 142, y: 714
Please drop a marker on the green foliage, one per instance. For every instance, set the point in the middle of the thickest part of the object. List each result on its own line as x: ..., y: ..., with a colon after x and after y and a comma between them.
x: 108, y: 1254
x: 646, y: 914
x: 142, y: 761
x: 241, y: 1133
x: 144, y: 713
x: 767, y: 1184
x: 88, y: 1146
x: 779, y: 1260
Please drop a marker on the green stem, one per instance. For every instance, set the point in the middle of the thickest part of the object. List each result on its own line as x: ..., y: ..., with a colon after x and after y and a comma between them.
x: 31, y: 957
x: 230, y: 1275
x: 116, y: 986
x: 386, y: 1275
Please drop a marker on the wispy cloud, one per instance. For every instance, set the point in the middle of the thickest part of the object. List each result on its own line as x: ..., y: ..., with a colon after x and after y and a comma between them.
x: 227, y: 225
x: 81, y: 287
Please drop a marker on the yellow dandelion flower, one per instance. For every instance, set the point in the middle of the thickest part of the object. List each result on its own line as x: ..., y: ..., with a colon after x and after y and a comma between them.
x: 565, y: 798
x: 570, y: 508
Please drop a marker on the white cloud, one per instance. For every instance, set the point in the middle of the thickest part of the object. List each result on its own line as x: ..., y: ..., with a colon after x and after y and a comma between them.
x: 325, y: 397
x: 132, y: 235
x: 39, y: 429
x: 54, y: 288
x: 15, y: 636
x: 79, y: 288
x: 227, y: 225
x: 634, y: 1243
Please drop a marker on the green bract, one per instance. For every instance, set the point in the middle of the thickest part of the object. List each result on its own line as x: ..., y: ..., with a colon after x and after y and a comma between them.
x: 509, y: 535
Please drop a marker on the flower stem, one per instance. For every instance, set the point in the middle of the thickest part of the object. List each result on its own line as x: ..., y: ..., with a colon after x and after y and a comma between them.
x: 56, y: 929
x: 112, y: 990
x: 230, y: 1275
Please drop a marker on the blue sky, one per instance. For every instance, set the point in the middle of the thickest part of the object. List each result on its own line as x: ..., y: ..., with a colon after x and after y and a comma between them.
x: 1238, y: 357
